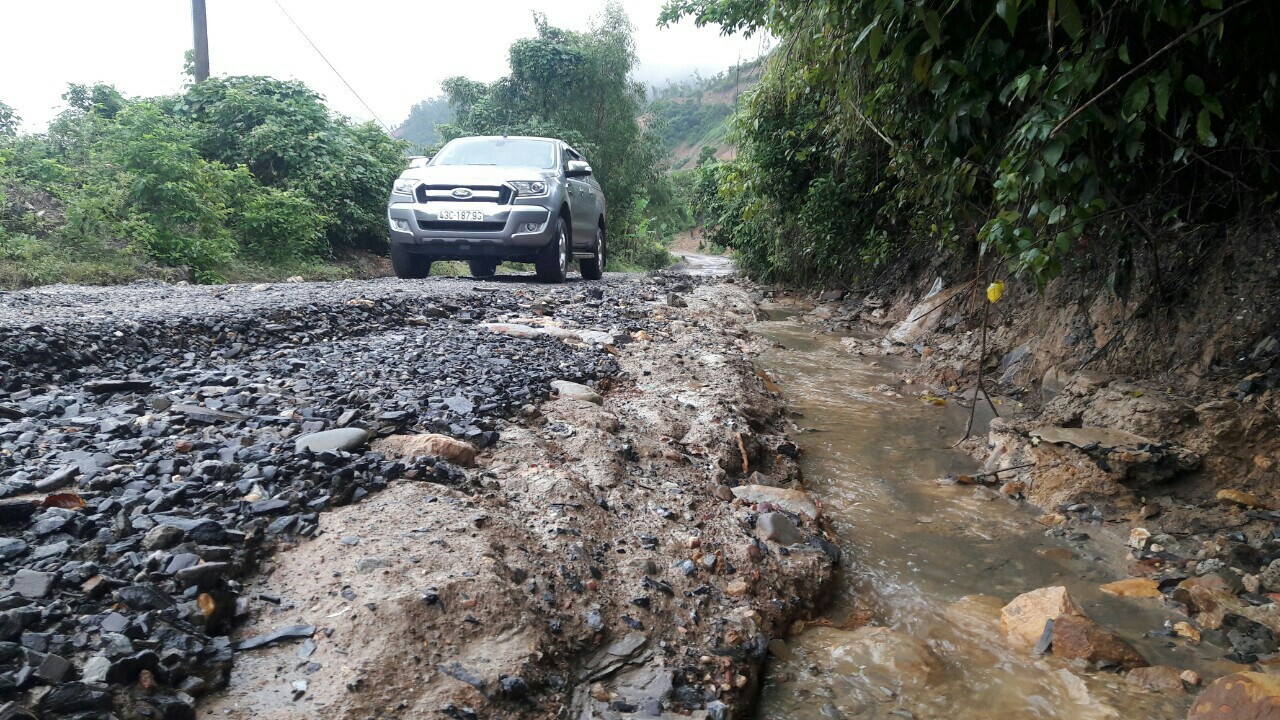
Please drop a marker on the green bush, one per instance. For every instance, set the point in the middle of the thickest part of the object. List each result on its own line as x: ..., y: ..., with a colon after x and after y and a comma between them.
x: 247, y: 170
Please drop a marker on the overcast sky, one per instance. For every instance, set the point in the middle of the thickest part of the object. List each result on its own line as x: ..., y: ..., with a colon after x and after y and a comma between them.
x: 393, y: 52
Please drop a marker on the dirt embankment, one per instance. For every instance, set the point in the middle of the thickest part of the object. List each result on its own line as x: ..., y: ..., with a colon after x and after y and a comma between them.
x: 1154, y: 416
x: 623, y: 554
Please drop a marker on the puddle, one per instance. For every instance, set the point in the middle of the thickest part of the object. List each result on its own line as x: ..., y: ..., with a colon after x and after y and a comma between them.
x: 914, y: 549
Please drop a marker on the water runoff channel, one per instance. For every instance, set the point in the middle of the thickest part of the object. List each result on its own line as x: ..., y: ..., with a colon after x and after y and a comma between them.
x: 913, y: 630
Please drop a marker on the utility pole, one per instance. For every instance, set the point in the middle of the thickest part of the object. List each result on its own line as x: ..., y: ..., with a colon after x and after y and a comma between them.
x: 201, y: 29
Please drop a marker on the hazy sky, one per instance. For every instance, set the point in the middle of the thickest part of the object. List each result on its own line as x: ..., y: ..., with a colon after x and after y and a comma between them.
x: 393, y: 52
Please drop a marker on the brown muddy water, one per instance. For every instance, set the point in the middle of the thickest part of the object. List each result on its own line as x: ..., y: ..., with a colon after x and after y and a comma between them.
x: 934, y: 565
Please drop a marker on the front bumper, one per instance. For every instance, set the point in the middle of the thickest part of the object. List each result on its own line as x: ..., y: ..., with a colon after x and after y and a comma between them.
x: 506, y: 229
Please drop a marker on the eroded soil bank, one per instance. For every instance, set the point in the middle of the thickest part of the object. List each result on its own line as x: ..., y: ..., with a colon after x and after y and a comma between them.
x: 1143, y: 436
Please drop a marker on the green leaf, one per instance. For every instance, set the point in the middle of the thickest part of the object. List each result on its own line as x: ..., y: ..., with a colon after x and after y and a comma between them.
x: 1204, y: 129
x: 1212, y: 104
x: 1053, y: 151
x: 1194, y: 85
x: 932, y: 25
x: 1035, y: 172
x: 876, y: 41
x: 921, y: 68
x: 1069, y: 18
x: 1008, y: 11
x: 1123, y: 53
x: 1135, y: 100
x: 1162, y: 86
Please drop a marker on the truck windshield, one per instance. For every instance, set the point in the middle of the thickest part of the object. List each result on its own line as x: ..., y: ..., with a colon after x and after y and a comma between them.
x: 498, y: 151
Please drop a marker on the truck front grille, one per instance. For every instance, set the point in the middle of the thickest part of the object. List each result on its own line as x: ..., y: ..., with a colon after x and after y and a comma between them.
x: 500, y: 194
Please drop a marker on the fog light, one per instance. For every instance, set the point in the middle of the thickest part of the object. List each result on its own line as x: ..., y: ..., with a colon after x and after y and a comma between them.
x: 401, y: 224
x: 532, y: 227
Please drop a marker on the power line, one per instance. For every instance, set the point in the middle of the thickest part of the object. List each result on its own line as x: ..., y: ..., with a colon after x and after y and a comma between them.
x: 331, y: 67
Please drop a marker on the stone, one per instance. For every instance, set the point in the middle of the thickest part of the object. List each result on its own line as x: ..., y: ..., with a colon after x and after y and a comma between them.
x: 33, y: 583
x: 72, y: 697
x: 1084, y: 437
x: 95, y: 669
x: 54, y: 668
x: 795, y: 501
x: 288, y: 632
x: 144, y: 597
x: 59, y: 479
x: 1076, y: 637
x: 778, y: 528
x: 1269, y: 577
x: 346, y: 439
x: 1022, y: 621
x: 11, y: 548
x: 1157, y: 679
x: 1241, y: 696
x: 1186, y: 630
x: 885, y: 657
x: 1239, y: 497
x: 1248, y: 638
x: 162, y: 537
x: 1133, y: 587
x: 575, y: 391
x: 204, y: 575
x: 458, y: 452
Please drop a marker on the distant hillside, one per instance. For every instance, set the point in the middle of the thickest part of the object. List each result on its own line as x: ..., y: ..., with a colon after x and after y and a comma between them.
x: 695, y: 113
x: 420, y: 127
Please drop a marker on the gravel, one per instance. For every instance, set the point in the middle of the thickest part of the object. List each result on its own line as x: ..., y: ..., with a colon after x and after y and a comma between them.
x: 157, y: 441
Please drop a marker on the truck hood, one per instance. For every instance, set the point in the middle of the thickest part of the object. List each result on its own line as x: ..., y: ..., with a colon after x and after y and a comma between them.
x: 475, y: 174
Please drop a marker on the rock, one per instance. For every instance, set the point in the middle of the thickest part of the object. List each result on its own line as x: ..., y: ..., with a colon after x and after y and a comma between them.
x: 58, y: 479
x: 1248, y: 638
x: 98, y: 387
x: 33, y: 583
x: 1076, y: 637
x: 72, y: 697
x: 1133, y: 587
x: 1270, y: 576
x: 457, y: 452
x: 888, y: 658
x: 288, y: 632
x: 795, y: 501
x: 675, y: 301
x: 54, y: 669
x: 347, y: 439
x: 1085, y: 437
x: 144, y: 597
x: 369, y: 564
x: 1239, y: 497
x: 1186, y: 630
x: 162, y: 537
x: 1157, y: 679
x: 778, y: 528
x: 1242, y: 696
x: 11, y: 548
x: 575, y: 391
x: 95, y: 669
x: 1022, y: 621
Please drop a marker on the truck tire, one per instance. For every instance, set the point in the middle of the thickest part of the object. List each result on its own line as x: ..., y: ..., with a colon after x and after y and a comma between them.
x: 552, y: 263
x: 593, y: 269
x: 409, y: 265
x: 482, y: 268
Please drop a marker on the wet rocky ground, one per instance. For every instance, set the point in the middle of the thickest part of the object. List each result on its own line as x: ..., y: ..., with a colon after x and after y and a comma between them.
x: 1174, y: 483
x: 166, y: 450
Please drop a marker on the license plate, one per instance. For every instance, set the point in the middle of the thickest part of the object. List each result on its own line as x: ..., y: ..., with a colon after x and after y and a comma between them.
x: 464, y: 215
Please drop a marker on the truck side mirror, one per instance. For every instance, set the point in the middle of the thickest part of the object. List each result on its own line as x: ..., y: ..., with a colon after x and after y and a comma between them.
x: 577, y: 168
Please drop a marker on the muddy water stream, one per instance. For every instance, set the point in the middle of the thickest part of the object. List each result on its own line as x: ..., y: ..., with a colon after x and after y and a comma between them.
x: 934, y: 564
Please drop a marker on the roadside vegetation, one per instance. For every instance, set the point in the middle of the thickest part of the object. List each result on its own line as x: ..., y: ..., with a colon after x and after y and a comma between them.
x: 234, y: 179
x: 1032, y: 135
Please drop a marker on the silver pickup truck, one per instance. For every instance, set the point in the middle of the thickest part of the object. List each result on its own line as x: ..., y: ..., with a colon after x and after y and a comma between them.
x: 492, y: 199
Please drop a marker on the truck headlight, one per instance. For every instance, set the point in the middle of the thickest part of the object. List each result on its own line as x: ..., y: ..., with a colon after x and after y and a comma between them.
x: 404, y: 186
x: 529, y: 188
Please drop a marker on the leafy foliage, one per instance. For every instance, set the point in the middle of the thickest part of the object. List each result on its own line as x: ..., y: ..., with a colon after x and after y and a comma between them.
x: 576, y: 87
x: 1036, y: 130
x: 235, y: 170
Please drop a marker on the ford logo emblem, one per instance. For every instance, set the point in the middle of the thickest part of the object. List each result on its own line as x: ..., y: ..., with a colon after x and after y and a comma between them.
x: 461, y: 193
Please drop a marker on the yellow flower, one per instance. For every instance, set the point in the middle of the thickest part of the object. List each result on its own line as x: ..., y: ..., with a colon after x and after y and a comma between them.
x: 995, y: 290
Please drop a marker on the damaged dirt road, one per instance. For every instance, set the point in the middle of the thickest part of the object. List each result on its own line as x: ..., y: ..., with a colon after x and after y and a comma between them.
x: 452, y: 499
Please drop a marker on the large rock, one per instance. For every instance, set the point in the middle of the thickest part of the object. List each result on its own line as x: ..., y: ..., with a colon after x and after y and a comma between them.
x: 340, y: 439
x: 1157, y: 679
x: 886, y: 657
x: 1022, y: 621
x: 434, y: 445
x: 796, y: 501
x: 1242, y: 696
x: 924, y: 317
x: 778, y: 528
x: 576, y: 391
x: 1076, y: 637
